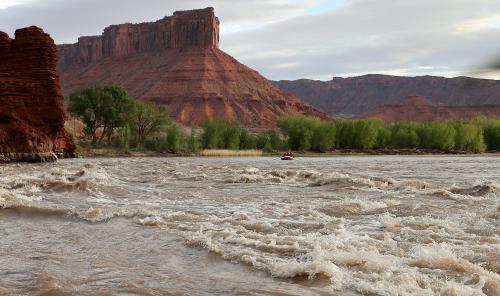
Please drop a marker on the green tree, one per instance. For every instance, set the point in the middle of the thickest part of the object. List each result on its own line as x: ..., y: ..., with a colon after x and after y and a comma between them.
x: 123, y: 138
x: 404, y: 135
x: 436, y: 135
x: 148, y: 118
x: 213, y: 133
x: 358, y: 134
x: 324, y: 136
x: 231, y: 137
x: 87, y: 104
x: 247, y: 140
x: 193, y: 142
x: 469, y: 137
x: 101, y: 107
x: 299, y: 130
x: 492, y: 135
x: 383, y: 138
x: 175, y: 138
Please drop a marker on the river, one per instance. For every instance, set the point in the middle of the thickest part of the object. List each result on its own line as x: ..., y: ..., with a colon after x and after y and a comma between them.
x: 360, y: 225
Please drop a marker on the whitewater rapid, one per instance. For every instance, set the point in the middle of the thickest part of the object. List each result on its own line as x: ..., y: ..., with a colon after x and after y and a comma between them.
x: 385, y: 225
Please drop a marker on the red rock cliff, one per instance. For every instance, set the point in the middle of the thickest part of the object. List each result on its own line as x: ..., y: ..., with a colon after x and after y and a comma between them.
x: 177, y: 61
x: 185, y: 29
x: 31, y: 104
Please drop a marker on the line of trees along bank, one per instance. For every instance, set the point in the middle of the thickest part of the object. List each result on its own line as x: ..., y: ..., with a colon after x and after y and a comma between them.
x: 112, y: 119
x: 304, y: 133
x: 109, y: 113
x: 473, y: 135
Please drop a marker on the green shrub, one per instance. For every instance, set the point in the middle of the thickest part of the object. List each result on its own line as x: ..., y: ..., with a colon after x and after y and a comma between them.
x: 492, y: 135
x: 436, y: 135
x: 213, y: 133
x: 383, y: 138
x: 404, y: 135
x: 299, y: 130
x: 358, y: 134
x: 469, y: 137
x: 175, y: 138
x: 324, y: 136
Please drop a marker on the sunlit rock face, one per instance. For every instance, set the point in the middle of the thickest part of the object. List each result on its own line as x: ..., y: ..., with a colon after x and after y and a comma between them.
x: 31, y: 103
x: 177, y: 61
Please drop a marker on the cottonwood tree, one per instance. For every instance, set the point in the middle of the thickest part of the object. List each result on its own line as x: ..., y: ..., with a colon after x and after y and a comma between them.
x: 101, y: 107
x: 148, y: 118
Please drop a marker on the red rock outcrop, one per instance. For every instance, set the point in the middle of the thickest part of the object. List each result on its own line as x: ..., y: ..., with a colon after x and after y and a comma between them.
x: 358, y: 95
x: 417, y: 108
x: 177, y: 61
x: 31, y: 104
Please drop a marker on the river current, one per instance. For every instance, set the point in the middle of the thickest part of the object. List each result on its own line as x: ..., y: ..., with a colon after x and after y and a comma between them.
x: 384, y: 225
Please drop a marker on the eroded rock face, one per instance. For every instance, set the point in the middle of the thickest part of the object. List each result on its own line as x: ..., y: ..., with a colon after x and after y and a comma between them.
x: 31, y: 104
x: 197, y: 28
x: 177, y: 61
x: 358, y: 95
x: 418, y: 108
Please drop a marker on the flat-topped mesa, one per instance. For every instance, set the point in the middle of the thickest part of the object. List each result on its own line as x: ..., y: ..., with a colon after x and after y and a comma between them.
x: 185, y: 29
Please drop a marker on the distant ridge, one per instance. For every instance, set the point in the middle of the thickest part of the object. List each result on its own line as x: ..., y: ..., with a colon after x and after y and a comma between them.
x: 417, y: 108
x: 357, y: 95
x: 177, y: 61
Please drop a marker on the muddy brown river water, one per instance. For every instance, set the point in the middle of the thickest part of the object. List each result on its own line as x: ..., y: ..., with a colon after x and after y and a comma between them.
x: 385, y: 225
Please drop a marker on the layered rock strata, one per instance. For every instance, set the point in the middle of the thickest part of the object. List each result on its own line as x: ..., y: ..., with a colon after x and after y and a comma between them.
x: 358, y: 95
x: 177, y: 61
x: 31, y: 103
x: 417, y: 108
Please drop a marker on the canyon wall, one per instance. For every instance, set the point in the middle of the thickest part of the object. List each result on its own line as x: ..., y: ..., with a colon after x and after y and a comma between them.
x: 31, y: 104
x: 185, y: 29
x: 358, y: 95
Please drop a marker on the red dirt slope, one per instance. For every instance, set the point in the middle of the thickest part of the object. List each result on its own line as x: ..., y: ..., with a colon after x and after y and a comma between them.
x: 177, y: 61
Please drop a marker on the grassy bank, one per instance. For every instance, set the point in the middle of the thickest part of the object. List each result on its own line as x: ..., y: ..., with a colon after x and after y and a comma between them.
x: 225, y: 152
x: 114, y: 152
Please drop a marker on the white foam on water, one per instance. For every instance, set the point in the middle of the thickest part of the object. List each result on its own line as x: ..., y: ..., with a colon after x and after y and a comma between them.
x: 364, y: 231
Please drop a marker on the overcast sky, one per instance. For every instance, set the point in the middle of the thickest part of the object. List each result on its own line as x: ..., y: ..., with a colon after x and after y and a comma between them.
x: 317, y: 39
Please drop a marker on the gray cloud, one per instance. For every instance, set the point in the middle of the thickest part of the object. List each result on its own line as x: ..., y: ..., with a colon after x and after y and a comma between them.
x: 283, y: 40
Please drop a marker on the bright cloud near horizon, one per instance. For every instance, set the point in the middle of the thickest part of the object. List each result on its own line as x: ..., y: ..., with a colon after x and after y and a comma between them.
x: 315, y: 39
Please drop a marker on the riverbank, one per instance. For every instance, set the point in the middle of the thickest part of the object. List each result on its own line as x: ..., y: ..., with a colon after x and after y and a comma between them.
x: 107, y: 152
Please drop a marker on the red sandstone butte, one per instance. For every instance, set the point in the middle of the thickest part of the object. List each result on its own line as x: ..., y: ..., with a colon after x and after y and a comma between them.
x: 31, y: 104
x: 417, y: 108
x: 177, y: 61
